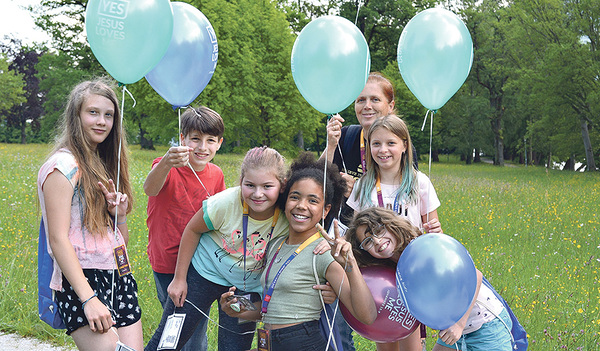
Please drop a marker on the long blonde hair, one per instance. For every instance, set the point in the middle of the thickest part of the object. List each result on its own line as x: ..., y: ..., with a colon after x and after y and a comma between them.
x: 409, y: 187
x: 97, y: 165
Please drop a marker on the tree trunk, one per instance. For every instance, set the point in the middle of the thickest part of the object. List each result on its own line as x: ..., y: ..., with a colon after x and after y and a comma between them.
x: 496, y: 121
x: 300, y: 140
x: 587, y: 144
x: 435, y: 155
x: 477, y: 158
x: 318, y: 141
x: 498, y: 141
x: 469, y: 159
x: 570, y: 164
x: 23, y: 132
x: 145, y: 144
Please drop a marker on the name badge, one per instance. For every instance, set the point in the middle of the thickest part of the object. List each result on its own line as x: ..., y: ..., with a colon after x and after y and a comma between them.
x: 263, y: 340
x: 123, y: 347
x: 172, y: 331
x: 122, y: 260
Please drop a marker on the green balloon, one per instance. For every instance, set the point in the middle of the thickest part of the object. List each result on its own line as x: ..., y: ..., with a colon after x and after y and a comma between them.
x: 129, y: 37
x: 435, y: 53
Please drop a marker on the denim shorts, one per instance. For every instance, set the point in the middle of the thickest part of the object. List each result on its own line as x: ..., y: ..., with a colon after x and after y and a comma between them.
x: 492, y: 336
x: 300, y: 337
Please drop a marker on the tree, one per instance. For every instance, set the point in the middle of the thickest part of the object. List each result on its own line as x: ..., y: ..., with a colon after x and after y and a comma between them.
x: 382, y: 22
x: 252, y: 86
x: 300, y: 12
x: 23, y: 61
x: 560, y: 71
x: 11, y: 86
x: 491, y: 68
x: 466, y: 127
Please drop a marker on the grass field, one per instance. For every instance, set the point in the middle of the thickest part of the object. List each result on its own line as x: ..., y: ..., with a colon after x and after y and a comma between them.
x: 535, y: 234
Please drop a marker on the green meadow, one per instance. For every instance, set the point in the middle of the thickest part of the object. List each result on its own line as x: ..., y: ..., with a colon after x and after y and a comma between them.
x: 534, y: 233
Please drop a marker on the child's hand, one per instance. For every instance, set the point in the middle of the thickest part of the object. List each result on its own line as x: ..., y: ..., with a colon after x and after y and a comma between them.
x: 115, y: 199
x: 451, y: 335
x: 322, y: 246
x: 227, y: 300
x: 433, y: 226
x: 341, y: 250
x: 178, y: 156
x: 98, y: 316
x: 327, y: 291
x: 178, y: 291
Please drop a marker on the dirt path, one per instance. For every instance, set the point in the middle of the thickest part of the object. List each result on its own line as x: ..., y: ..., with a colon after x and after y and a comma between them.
x: 14, y: 342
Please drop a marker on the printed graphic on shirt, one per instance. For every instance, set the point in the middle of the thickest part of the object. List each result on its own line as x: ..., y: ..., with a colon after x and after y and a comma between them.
x: 255, y: 249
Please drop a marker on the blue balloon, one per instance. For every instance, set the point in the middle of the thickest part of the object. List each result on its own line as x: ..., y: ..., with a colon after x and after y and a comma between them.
x: 435, y: 54
x: 330, y: 63
x: 436, y: 280
x: 191, y: 58
x: 128, y: 38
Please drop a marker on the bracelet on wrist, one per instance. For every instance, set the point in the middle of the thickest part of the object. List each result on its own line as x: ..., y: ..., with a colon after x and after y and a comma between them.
x: 124, y: 221
x: 86, y: 301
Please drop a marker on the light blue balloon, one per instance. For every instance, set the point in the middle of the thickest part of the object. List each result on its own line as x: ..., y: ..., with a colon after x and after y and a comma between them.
x: 436, y: 280
x: 191, y: 58
x: 435, y: 54
x: 330, y: 63
x: 128, y: 38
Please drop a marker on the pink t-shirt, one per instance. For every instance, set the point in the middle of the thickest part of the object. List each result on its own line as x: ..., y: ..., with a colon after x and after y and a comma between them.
x: 172, y: 208
x: 94, y: 251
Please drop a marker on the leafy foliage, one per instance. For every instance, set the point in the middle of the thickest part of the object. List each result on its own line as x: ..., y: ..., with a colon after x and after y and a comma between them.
x: 11, y: 86
x: 533, y: 91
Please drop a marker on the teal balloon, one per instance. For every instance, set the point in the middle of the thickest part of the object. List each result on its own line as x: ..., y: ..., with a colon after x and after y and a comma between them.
x: 129, y: 37
x: 435, y: 54
x: 191, y: 59
x: 330, y: 63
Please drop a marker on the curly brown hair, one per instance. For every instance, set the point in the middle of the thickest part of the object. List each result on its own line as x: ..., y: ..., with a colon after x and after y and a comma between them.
x: 306, y: 166
x: 372, y: 217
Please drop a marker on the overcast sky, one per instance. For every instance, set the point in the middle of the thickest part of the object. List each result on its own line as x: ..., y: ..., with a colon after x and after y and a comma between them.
x: 16, y: 20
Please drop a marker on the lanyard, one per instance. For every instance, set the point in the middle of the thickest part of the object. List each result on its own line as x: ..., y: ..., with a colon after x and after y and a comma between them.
x: 380, y: 199
x: 363, y: 152
x: 269, y: 292
x: 245, y: 233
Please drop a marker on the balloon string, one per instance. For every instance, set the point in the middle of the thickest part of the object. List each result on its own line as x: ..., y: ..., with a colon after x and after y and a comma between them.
x: 179, y: 126
x: 119, y: 150
x: 179, y: 144
x: 357, y: 11
x: 425, y: 120
x: 430, y: 148
x: 130, y: 95
x: 325, y: 172
x: 119, y: 157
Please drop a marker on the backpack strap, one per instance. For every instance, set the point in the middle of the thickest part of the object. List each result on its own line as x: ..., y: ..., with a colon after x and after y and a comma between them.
x: 518, y: 333
x: 352, y: 133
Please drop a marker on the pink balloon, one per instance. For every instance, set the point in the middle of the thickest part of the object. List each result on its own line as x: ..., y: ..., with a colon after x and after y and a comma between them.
x: 393, y: 321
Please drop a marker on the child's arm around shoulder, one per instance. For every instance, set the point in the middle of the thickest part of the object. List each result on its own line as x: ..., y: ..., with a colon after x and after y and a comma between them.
x: 354, y: 293
x: 176, y: 156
